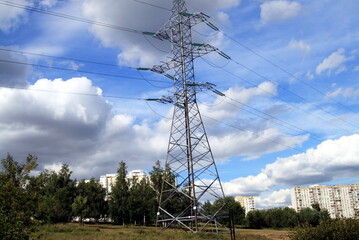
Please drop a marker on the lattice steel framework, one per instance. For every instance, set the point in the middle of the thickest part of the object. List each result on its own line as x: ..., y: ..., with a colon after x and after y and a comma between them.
x: 189, y: 157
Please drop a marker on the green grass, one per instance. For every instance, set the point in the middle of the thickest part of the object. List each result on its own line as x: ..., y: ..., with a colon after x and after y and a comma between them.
x: 110, y: 232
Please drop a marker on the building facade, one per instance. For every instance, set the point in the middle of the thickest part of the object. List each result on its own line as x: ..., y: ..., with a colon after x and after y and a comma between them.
x: 341, y: 200
x: 246, y: 202
x: 108, y: 181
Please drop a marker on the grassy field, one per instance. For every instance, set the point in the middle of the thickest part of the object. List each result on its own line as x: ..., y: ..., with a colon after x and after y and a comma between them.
x: 111, y: 232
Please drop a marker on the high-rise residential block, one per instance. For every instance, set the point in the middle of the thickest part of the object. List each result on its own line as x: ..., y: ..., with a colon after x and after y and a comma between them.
x: 340, y: 200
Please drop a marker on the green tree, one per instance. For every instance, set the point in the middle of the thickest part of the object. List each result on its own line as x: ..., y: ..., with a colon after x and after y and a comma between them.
x: 16, y: 201
x: 57, y: 192
x: 96, y: 206
x: 255, y: 219
x: 230, y: 205
x: 309, y: 216
x: 120, y: 197
x: 80, y: 207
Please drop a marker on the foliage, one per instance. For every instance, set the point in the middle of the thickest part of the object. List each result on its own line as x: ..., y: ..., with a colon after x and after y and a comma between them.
x: 224, y: 207
x: 285, y: 218
x: 120, y: 197
x: 95, y: 206
x: 337, y: 229
x: 57, y: 192
x: 15, y: 199
x: 255, y: 219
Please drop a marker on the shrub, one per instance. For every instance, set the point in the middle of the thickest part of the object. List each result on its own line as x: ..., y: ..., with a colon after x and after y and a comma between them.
x: 338, y: 229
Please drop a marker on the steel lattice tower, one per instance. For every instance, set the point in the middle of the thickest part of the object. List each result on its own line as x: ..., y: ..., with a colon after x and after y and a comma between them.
x: 192, y: 173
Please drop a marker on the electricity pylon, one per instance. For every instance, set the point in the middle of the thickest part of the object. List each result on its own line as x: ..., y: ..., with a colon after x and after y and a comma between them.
x: 193, y: 175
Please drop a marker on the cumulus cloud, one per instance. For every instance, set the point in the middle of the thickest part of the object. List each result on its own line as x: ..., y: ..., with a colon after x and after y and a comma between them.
x: 278, y: 11
x: 11, y: 17
x: 332, y: 159
x: 275, y: 199
x: 335, y: 62
x: 344, y: 92
x: 300, y: 46
x: 135, y: 49
x: 50, y: 120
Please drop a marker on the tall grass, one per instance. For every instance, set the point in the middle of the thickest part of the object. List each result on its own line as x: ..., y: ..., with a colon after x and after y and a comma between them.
x: 110, y: 232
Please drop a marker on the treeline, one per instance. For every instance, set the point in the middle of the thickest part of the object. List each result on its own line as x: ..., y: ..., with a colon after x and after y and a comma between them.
x: 27, y: 200
x: 286, y: 217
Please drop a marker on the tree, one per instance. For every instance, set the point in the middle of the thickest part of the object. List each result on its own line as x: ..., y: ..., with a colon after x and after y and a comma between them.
x: 119, y: 197
x: 57, y: 192
x: 80, y: 207
x: 16, y: 201
x: 231, y: 205
x: 96, y: 206
x: 309, y: 216
x: 255, y: 219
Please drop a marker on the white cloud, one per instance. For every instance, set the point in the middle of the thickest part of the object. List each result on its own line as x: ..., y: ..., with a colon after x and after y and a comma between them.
x: 332, y: 159
x: 310, y: 75
x: 335, y: 62
x: 278, y: 11
x: 299, y: 45
x: 11, y: 17
x: 49, y: 3
x: 345, y: 92
x: 135, y: 49
x: 275, y: 199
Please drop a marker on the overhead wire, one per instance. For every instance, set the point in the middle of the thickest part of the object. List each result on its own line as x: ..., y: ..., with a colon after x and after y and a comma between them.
x: 65, y: 58
x: 70, y: 17
x: 82, y: 71
x: 260, y: 113
x: 295, y: 94
x: 91, y: 22
x: 69, y: 93
x: 288, y: 103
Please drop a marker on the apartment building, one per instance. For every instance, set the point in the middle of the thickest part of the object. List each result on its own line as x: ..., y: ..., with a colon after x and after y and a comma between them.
x: 340, y: 200
x: 108, y: 180
x: 246, y: 202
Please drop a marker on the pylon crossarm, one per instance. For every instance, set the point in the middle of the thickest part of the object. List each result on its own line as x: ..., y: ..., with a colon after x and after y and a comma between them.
x: 195, y: 18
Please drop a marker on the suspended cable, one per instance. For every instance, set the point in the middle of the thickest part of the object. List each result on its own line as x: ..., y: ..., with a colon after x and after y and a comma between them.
x: 295, y: 94
x: 287, y: 72
x: 253, y: 133
x: 65, y: 58
x: 288, y: 103
x: 153, y: 5
x: 70, y: 93
x: 81, y: 71
x: 284, y: 123
x: 84, y: 20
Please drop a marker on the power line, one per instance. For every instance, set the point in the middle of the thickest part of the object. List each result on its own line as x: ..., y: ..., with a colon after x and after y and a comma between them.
x: 295, y: 94
x: 253, y: 133
x: 65, y: 58
x: 289, y: 103
x: 287, y: 72
x: 57, y: 14
x: 153, y: 5
x: 82, y: 71
x: 70, y: 93
x: 282, y: 122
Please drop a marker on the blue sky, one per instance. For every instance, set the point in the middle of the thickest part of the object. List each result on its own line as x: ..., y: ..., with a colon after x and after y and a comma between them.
x: 289, y: 117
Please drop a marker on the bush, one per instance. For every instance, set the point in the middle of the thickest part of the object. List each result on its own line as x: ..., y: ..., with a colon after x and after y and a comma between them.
x: 339, y: 229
